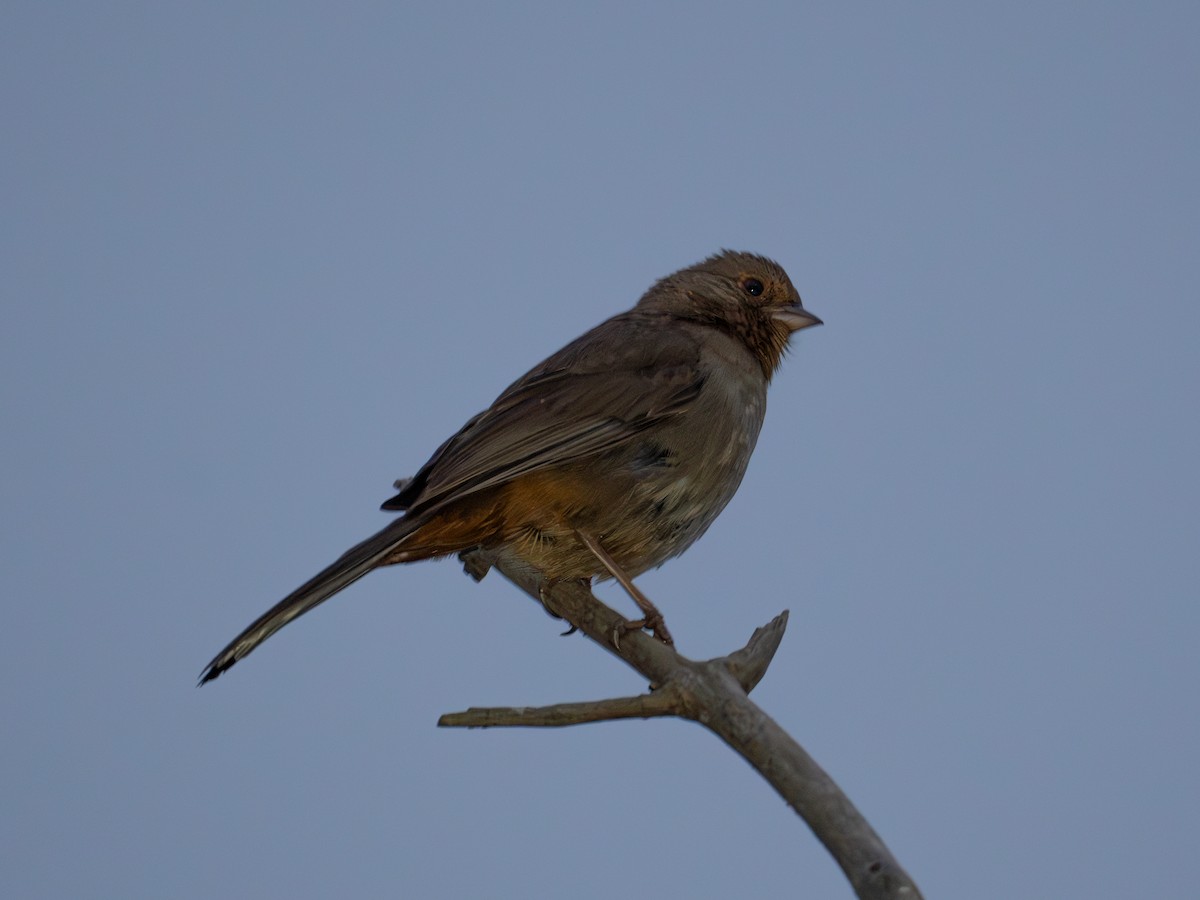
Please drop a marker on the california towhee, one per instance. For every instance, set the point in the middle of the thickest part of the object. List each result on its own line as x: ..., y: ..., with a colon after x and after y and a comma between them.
x: 609, y: 458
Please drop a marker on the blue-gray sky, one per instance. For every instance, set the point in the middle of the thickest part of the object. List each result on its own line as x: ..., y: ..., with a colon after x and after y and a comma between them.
x: 260, y: 259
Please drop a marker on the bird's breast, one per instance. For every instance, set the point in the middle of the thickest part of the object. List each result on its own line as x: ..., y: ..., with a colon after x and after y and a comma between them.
x: 687, y: 470
x: 655, y: 495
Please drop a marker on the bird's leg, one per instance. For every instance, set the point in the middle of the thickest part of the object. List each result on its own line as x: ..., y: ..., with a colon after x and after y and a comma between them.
x: 652, y: 618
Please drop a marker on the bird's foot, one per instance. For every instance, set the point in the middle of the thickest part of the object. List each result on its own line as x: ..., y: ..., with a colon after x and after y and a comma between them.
x: 655, y: 624
x: 544, y: 589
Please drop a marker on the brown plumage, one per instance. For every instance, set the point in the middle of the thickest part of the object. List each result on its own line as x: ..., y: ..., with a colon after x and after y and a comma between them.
x: 608, y: 458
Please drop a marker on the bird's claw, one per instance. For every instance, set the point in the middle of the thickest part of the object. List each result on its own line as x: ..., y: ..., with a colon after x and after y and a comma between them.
x: 655, y: 624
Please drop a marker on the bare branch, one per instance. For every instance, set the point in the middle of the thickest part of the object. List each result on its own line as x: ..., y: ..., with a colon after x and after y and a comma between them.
x: 714, y: 693
x: 646, y: 706
x: 749, y: 664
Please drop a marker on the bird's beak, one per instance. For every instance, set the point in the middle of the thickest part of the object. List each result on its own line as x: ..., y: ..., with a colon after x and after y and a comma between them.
x: 795, y: 317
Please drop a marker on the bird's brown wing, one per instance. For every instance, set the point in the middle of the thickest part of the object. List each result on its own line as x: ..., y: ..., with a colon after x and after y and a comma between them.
x: 593, y: 395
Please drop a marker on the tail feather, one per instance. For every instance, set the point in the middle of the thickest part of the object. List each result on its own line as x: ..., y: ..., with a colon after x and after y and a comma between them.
x: 349, y: 567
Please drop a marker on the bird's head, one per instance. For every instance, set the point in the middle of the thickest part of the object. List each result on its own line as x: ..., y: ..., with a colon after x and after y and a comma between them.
x: 745, y: 295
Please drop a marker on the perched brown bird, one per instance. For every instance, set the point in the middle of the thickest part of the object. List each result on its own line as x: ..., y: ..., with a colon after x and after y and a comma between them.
x: 609, y: 458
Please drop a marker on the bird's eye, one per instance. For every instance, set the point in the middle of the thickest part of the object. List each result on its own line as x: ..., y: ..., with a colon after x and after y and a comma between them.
x: 753, y: 286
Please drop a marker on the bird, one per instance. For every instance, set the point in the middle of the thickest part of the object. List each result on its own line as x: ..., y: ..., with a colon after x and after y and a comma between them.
x: 605, y: 460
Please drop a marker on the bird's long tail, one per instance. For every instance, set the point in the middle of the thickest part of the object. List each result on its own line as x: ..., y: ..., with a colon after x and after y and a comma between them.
x: 349, y: 567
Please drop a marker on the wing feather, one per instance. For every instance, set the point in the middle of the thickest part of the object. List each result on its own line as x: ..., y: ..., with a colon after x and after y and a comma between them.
x: 594, y: 395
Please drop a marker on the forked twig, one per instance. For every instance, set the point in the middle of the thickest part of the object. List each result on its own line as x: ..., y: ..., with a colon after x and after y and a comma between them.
x: 714, y: 693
